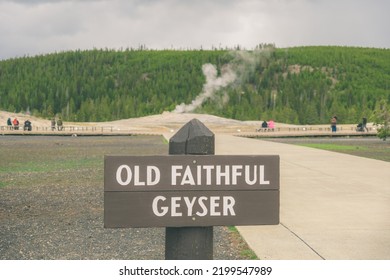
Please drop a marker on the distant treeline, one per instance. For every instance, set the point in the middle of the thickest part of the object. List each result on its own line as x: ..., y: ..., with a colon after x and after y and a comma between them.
x: 303, y: 85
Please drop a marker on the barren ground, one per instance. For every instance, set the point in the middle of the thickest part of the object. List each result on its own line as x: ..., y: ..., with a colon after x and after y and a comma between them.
x: 51, y: 202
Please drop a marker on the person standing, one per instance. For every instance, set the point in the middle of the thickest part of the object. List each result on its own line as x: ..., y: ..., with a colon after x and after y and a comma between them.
x: 9, y: 123
x: 271, y: 125
x: 16, y: 124
x: 53, y: 124
x: 59, y: 124
x: 333, y: 123
x: 364, y: 124
x: 27, y: 125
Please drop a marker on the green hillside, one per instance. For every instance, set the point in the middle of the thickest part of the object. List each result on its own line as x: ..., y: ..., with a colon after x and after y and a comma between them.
x: 303, y: 85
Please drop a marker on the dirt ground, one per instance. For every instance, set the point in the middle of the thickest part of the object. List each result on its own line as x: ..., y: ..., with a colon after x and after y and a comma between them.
x: 51, y: 201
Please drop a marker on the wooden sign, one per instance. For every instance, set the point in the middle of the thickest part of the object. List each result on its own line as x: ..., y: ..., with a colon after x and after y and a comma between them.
x: 190, y: 190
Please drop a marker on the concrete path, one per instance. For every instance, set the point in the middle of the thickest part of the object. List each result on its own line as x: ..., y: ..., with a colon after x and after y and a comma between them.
x: 333, y: 206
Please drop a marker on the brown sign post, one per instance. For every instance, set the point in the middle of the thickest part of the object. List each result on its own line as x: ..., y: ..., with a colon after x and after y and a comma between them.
x: 190, y: 191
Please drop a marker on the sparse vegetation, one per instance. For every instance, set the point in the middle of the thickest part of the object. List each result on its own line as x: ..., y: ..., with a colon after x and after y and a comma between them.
x: 369, y: 147
x: 51, y: 191
x: 245, y: 251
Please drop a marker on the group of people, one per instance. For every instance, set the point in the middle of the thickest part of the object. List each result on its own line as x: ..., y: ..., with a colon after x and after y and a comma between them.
x: 59, y: 124
x: 361, y: 127
x: 14, y: 124
x: 270, y: 125
x: 267, y: 126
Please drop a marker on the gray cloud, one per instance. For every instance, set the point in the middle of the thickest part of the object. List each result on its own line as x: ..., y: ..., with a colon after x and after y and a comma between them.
x: 38, y: 2
x: 41, y: 26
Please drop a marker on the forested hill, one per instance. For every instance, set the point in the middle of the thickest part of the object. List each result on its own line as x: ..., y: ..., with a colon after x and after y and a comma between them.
x: 303, y: 85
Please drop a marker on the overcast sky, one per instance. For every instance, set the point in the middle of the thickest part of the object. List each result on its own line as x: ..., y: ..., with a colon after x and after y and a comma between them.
x: 31, y: 27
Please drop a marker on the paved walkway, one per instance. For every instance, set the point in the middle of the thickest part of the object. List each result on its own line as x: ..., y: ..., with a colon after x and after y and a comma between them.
x: 333, y: 206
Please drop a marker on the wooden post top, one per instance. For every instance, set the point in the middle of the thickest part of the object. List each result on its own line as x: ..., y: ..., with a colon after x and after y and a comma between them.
x: 194, y: 138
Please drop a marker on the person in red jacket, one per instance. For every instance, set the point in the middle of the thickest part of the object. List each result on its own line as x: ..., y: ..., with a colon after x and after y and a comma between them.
x: 15, y: 122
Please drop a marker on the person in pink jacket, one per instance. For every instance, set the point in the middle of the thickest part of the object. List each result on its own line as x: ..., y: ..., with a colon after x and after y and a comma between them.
x: 271, y: 125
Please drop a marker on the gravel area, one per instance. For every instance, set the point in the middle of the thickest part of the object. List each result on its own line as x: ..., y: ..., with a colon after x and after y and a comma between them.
x: 51, y: 202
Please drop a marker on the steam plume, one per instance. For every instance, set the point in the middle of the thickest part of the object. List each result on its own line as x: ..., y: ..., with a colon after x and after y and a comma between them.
x: 237, y: 71
x: 213, y: 84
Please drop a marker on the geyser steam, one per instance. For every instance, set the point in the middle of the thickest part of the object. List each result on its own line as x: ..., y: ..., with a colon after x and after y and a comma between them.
x: 237, y: 71
x: 213, y: 84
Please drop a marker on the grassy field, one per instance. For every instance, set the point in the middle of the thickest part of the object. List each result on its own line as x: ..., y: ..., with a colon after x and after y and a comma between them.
x: 369, y: 147
x: 40, y: 159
